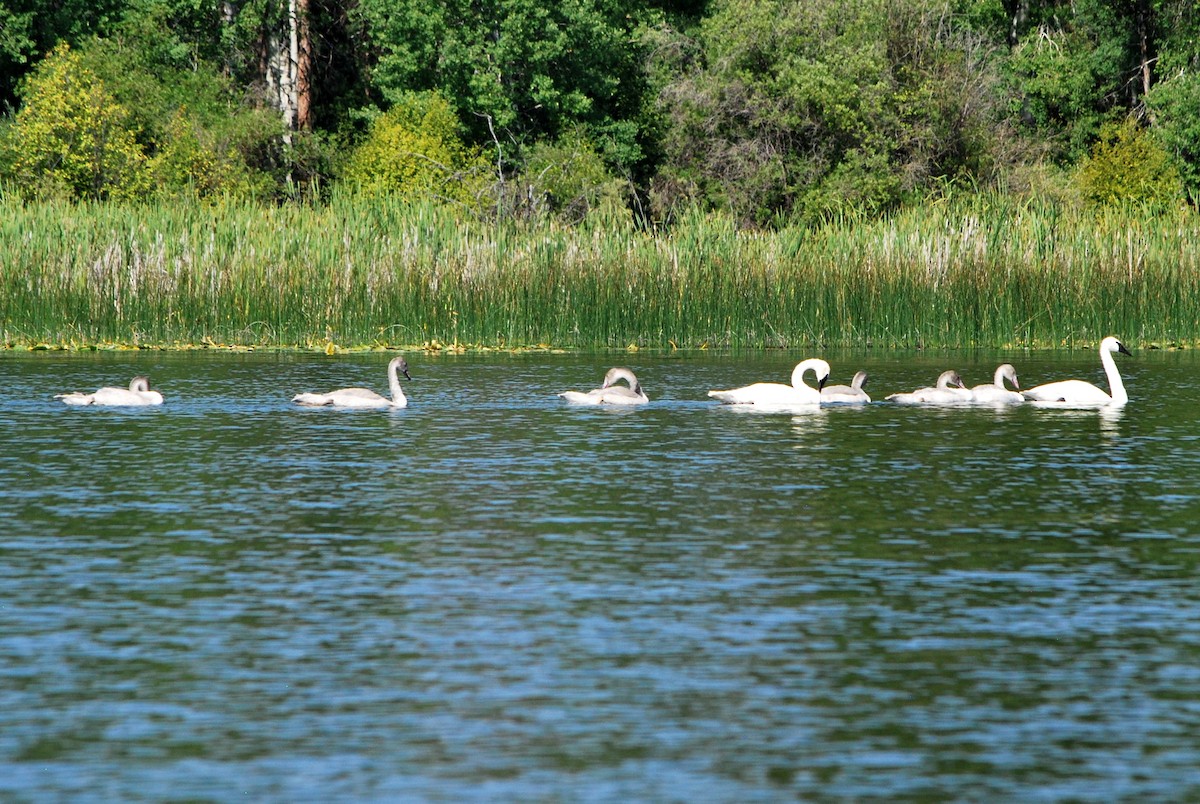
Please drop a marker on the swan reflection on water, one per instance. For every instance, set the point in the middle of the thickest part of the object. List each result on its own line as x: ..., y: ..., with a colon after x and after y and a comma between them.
x: 806, y: 425
x: 1108, y: 416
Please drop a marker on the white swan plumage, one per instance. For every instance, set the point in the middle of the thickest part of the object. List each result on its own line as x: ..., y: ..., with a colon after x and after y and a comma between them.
x: 138, y: 393
x: 363, y: 397
x: 995, y: 392
x: 609, y: 393
x: 774, y: 394
x: 948, y: 391
x: 1077, y: 393
x: 852, y: 394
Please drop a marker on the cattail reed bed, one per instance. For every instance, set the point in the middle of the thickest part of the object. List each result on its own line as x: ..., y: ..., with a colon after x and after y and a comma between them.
x: 359, y: 272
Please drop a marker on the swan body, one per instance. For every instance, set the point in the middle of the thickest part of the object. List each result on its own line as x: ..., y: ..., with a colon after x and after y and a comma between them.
x: 995, y: 391
x: 363, y: 397
x: 1077, y: 393
x: 852, y: 394
x: 609, y: 393
x: 948, y: 391
x: 138, y: 393
x: 774, y: 394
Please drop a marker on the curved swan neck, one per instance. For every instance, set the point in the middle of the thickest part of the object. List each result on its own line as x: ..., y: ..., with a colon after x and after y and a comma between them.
x: 398, y: 397
x: 1116, y: 385
x: 948, y: 378
x: 818, y: 367
x: 625, y: 374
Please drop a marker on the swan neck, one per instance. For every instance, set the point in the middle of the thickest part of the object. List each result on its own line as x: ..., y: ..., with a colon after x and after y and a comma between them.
x: 398, y: 397
x: 1116, y: 386
x: 812, y: 364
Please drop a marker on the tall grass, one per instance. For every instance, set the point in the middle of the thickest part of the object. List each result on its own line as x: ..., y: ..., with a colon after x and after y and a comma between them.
x: 357, y: 272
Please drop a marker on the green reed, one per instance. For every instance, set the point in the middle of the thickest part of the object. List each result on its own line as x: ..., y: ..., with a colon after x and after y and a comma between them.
x: 987, y: 271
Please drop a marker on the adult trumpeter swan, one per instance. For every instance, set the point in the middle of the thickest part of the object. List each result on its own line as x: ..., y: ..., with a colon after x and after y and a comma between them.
x: 995, y: 392
x: 609, y: 393
x: 948, y: 391
x: 363, y: 397
x: 768, y: 394
x: 1084, y: 394
x: 138, y: 393
x: 849, y: 394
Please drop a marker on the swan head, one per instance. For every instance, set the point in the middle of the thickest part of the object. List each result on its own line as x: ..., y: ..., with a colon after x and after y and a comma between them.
x: 140, y: 383
x: 400, y: 365
x: 1006, y: 372
x: 620, y: 373
x: 1111, y: 344
x: 818, y: 367
x: 949, y: 379
x: 860, y: 379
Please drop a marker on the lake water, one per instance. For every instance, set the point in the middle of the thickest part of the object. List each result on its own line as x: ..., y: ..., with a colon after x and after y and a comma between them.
x: 493, y: 595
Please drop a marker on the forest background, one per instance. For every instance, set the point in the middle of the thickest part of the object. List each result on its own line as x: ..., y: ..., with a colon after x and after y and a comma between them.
x: 719, y: 122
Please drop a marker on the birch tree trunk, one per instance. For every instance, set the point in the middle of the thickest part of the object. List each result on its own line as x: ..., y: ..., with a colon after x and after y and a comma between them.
x: 289, y: 67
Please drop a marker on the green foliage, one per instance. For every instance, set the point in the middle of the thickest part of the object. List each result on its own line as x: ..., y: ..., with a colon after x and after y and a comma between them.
x: 414, y: 150
x: 811, y: 107
x: 190, y: 114
x: 1127, y: 166
x: 30, y: 29
x: 72, y: 137
x: 190, y: 161
x: 1061, y: 84
x: 572, y: 178
x: 1175, y: 105
x: 523, y: 69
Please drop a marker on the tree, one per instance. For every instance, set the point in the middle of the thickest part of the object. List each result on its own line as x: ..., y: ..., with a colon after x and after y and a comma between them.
x: 71, y: 136
x: 803, y: 107
x: 521, y: 70
x: 29, y: 29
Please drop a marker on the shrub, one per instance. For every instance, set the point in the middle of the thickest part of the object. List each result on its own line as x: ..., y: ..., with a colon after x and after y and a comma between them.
x: 570, y: 177
x: 415, y: 150
x: 1126, y: 165
x: 71, y: 137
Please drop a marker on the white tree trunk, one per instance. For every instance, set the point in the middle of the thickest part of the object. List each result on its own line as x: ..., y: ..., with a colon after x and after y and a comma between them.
x: 283, y: 58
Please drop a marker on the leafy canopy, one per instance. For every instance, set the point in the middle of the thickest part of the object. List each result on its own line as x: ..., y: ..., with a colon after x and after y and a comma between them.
x: 72, y: 137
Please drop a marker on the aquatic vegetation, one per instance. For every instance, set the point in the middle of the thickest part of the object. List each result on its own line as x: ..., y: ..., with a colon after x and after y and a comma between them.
x: 359, y: 272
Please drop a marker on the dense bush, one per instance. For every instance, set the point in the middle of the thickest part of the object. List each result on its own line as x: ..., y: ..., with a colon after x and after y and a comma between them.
x: 415, y: 150
x: 71, y: 136
x: 1127, y: 166
x: 810, y: 107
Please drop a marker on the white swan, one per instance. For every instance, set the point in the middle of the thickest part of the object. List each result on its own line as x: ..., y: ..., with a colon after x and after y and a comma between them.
x: 138, y: 393
x: 1068, y: 393
x: 852, y: 394
x: 995, y: 392
x: 948, y: 391
x: 610, y: 394
x: 774, y: 394
x: 363, y: 397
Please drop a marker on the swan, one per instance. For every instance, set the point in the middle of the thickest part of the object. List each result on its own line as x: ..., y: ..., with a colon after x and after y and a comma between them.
x: 949, y: 391
x: 363, y: 397
x: 850, y: 394
x: 768, y: 394
x: 995, y: 391
x: 610, y: 394
x: 1084, y: 394
x: 138, y: 393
